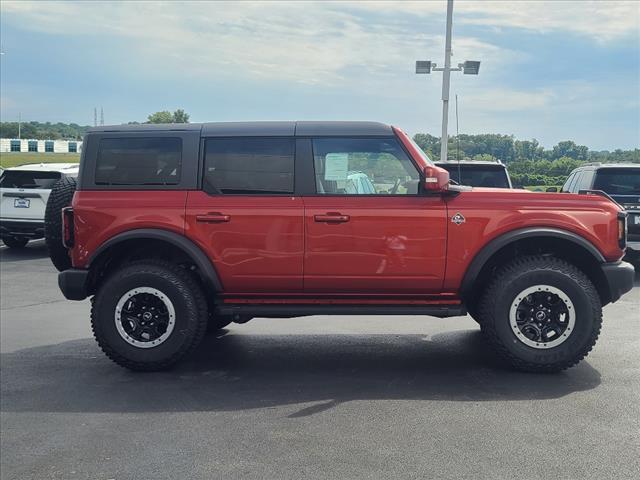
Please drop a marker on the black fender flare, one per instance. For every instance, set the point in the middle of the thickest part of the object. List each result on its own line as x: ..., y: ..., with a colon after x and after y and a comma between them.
x: 483, y: 256
x: 199, y: 258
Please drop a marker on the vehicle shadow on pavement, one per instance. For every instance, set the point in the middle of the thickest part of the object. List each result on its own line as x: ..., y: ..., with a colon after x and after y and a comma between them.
x: 34, y: 250
x: 238, y: 372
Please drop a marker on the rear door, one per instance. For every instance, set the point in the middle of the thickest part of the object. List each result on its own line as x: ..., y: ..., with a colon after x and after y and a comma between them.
x: 391, y: 241
x: 24, y: 194
x: 246, y: 217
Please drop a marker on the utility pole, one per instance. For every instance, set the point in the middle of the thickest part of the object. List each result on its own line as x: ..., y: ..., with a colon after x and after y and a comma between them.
x: 469, y: 67
x: 19, y: 124
x: 95, y: 116
x: 101, y: 116
x: 446, y: 82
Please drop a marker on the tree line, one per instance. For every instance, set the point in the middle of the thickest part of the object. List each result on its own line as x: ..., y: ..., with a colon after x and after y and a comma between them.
x: 528, y: 162
x: 73, y: 131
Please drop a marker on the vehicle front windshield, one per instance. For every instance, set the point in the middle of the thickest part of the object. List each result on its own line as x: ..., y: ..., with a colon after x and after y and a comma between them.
x: 618, y: 181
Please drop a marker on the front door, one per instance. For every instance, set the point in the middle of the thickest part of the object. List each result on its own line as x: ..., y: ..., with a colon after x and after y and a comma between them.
x: 368, y: 229
x: 246, y: 217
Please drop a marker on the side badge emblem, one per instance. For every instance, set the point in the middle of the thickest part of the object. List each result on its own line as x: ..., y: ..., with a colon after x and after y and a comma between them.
x: 458, y: 219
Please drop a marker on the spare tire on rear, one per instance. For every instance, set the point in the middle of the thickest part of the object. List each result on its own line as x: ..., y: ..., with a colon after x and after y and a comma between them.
x: 60, y: 197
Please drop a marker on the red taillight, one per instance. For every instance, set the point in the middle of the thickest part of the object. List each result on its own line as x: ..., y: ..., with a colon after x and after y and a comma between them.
x: 67, y: 227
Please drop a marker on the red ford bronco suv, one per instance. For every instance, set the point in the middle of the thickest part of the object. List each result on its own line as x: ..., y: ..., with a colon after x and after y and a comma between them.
x: 174, y: 229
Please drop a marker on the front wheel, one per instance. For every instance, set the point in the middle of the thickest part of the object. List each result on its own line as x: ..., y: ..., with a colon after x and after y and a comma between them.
x: 149, y: 314
x: 541, y: 314
x: 15, y: 242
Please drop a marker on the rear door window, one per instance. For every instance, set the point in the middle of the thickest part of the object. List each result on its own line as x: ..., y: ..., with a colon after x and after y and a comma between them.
x: 28, y: 179
x: 139, y: 161
x: 249, y: 165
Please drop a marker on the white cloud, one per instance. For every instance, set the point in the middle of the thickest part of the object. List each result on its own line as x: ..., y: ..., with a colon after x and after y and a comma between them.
x: 310, y: 43
x: 602, y: 20
x: 504, y: 100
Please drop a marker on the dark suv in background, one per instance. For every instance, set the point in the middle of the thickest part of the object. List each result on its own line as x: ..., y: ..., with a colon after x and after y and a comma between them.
x: 621, y: 182
x: 477, y: 173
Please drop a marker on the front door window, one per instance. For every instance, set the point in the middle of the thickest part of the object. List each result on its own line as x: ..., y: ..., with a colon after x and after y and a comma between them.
x: 363, y: 166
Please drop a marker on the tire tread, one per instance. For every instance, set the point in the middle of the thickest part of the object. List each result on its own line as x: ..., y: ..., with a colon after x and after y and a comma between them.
x: 59, y: 198
x: 504, y: 276
x: 189, y: 284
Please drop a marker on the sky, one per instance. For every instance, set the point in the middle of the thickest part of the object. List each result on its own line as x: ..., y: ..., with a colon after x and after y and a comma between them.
x: 553, y: 70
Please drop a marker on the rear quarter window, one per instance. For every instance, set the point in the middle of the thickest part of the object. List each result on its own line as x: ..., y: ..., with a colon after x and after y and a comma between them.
x: 139, y: 161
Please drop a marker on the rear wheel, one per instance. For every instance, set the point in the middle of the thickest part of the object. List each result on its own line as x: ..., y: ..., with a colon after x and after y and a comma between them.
x: 148, y: 315
x: 15, y: 242
x: 541, y: 314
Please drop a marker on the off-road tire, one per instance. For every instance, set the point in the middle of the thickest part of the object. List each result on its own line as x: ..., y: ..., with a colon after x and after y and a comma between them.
x: 173, y: 281
x: 59, y: 198
x: 15, y: 242
x: 522, y: 273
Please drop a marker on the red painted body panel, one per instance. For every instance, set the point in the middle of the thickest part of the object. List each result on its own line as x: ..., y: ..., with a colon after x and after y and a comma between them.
x: 101, y: 215
x: 390, y: 244
x: 385, y: 249
x: 491, y: 212
x: 260, y: 247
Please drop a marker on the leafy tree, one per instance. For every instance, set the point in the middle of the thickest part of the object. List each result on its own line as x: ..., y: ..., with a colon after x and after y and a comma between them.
x: 43, y: 131
x: 569, y: 149
x: 528, y: 149
x: 164, y: 116
x: 484, y: 157
x: 429, y: 144
x: 180, y: 116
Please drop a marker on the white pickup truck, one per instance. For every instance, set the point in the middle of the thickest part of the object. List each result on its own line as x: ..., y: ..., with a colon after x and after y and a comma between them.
x: 24, y: 192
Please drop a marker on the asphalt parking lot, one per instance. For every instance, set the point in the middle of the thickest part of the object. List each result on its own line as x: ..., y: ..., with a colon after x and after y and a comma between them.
x: 316, y: 397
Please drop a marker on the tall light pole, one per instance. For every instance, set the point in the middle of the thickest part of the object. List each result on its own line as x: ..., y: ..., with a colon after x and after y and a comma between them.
x: 469, y: 67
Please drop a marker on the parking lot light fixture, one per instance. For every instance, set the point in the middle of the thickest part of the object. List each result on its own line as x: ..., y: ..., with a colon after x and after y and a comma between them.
x: 423, y: 66
x: 469, y: 67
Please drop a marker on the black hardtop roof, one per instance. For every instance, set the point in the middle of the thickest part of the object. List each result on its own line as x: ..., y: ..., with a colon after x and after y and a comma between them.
x: 261, y: 129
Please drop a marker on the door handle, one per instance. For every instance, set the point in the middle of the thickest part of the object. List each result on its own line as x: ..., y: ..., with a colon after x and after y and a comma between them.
x: 213, y: 217
x: 331, y: 217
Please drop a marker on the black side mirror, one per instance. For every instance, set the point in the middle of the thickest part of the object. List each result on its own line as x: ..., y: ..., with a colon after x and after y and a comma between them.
x: 552, y: 189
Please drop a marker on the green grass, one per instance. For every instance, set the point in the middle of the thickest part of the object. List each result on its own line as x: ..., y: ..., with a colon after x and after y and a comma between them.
x: 14, y: 159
